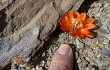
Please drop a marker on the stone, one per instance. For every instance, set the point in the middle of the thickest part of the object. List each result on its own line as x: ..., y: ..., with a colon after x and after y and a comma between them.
x: 37, y: 67
x: 107, y: 47
x: 98, y: 15
x: 65, y: 5
x: 104, y: 30
x: 84, y: 61
x: 48, y: 63
x: 5, y: 3
x: 106, y: 41
x: 108, y: 69
x: 99, y: 4
x: 28, y: 36
x: 79, y: 60
x: 99, y: 55
x: 101, y: 46
x: 105, y: 52
x: 79, y: 44
x: 105, y: 5
x: 76, y: 54
x: 80, y: 51
x: 104, y: 63
x: 93, y: 44
x: 108, y: 36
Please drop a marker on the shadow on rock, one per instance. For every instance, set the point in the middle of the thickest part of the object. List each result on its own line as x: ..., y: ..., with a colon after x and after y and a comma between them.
x: 86, y: 5
x: 3, y: 24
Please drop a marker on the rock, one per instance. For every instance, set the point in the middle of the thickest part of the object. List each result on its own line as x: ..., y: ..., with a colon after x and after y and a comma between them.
x: 99, y: 55
x: 80, y: 51
x: 101, y: 46
x: 37, y: 67
x: 76, y: 54
x: 105, y: 5
x: 65, y: 5
x: 104, y: 30
x: 104, y: 63
x: 79, y: 44
x: 84, y: 61
x: 108, y: 36
x: 107, y: 47
x: 5, y: 3
x: 98, y: 15
x: 105, y: 52
x: 48, y: 63
x: 94, y: 44
x: 24, y: 41
x: 108, y: 69
x: 79, y: 60
x: 106, y: 41
x: 99, y: 4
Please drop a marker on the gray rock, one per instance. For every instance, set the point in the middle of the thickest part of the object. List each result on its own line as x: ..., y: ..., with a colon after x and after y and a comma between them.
x: 104, y: 30
x: 76, y: 55
x: 79, y: 44
x: 23, y: 42
x: 108, y: 36
x: 105, y: 5
x: 65, y: 5
x: 79, y: 60
x: 105, y: 52
x: 84, y: 61
x: 5, y: 3
x: 106, y: 41
x: 104, y: 63
x: 107, y: 47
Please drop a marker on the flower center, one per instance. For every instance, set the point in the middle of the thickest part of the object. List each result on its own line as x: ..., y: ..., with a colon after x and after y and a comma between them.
x: 76, y: 24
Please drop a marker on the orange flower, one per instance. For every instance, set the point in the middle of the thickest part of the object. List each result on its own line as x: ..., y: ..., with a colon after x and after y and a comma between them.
x: 77, y: 24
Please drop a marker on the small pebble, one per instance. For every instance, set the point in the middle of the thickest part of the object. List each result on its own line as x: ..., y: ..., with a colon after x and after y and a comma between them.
x: 99, y: 55
x: 108, y: 36
x: 106, y: 41
x: 105, y: 52
x: 104, y: 30
x: 79, y: 44
x: 37, y: 67
x: 35, y: 31
x: 84, y: 61
x: 105, y: 63
x: 105, y: 5
x: 79, y: 60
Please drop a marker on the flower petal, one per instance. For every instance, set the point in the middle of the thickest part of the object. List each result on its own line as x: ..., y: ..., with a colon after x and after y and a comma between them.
x: 69, y: 16
x: 89, y: 26
x: 76, y: 14
x: 64, y: 28
x: 89, y: 20
x: 72, y: 32
x: 64, y: 22
x: 85, y: 31
x: 83, y: 16
x: 91, y: 35
x: 79, y: 34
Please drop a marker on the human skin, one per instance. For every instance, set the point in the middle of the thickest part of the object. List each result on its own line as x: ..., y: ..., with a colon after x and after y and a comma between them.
x: 62, y: 58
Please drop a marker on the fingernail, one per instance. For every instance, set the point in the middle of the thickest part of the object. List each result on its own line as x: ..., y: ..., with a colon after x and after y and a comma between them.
x: 64, y: 49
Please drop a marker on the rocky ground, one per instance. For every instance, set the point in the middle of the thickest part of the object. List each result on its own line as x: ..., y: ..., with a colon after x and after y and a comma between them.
x: 91, y: 54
